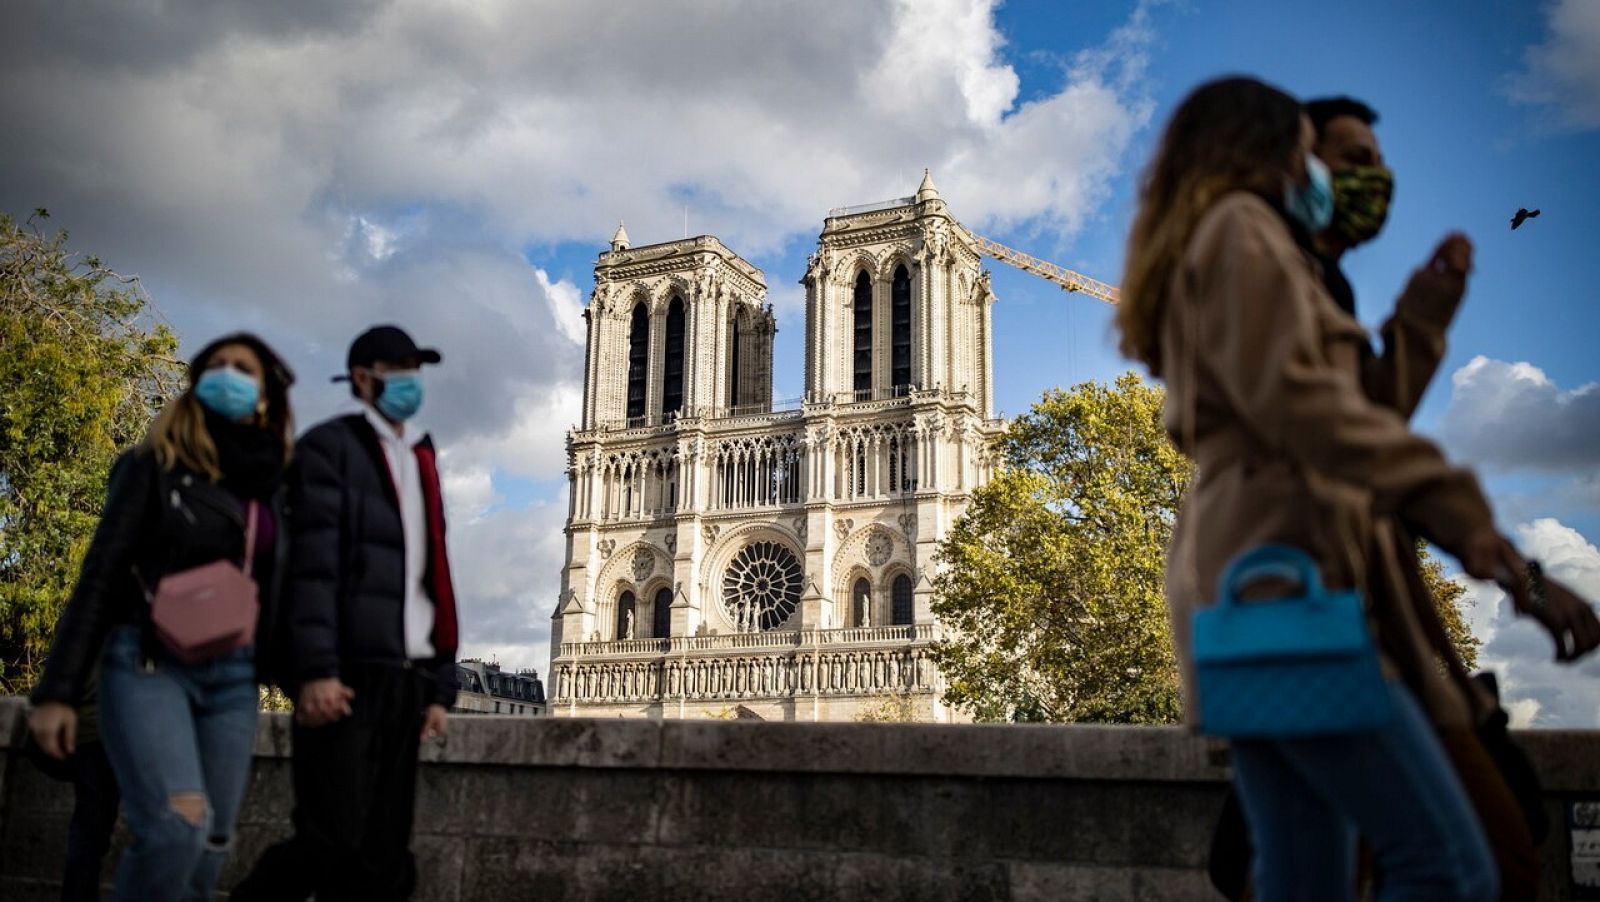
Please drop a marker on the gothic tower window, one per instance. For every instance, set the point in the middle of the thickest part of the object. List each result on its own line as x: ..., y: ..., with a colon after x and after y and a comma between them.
x: 662, y: 627
x: 638, y: 359
x: 861, y: 603
x: 733, y: 361
x: 902, y: 600
x: 625, y: 606
x: 900, y: 310
x: 862, y: 302
x: 672, y: 377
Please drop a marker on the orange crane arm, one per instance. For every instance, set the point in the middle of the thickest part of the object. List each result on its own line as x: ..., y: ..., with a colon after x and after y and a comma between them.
x: 1044, y: 269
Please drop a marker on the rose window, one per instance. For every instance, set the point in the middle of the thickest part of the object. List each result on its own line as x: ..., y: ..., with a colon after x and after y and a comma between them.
x: 762, y: 586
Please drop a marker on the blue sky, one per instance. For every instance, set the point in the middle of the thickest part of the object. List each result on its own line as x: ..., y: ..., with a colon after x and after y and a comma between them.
x: 306, y: 169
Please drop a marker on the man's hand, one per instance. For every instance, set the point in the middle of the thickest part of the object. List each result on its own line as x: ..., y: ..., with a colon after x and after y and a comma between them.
x: 323, y: 702
x: 1452, y: 258
x: 1569, y: 619
x: 434, y: 722
x: 55, y: 728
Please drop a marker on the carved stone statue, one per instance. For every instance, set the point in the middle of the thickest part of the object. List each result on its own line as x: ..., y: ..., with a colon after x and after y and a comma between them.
x: 627, y: 626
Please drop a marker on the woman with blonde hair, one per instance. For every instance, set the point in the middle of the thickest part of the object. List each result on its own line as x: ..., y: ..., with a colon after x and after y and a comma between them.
x: 176, y: 602
x: 1302, y: 454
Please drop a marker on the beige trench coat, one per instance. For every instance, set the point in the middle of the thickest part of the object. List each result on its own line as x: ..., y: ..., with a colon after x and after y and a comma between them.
x: 1297, y: 440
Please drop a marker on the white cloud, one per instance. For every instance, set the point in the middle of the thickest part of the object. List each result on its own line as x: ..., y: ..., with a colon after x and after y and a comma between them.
x: 308, y: 169
x: 507, y: 567
x: 1535, y: 689
x: 1563, y: 73
x: 1511, y: 415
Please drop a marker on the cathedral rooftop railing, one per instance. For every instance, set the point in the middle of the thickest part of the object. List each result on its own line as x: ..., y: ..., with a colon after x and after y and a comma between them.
x: 776, y: 639
x: 858, y: 209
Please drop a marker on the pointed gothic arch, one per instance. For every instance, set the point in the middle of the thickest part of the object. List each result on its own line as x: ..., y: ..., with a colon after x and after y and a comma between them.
x: 902, y: 610
x: 661, y: 614
x: 638, y: 359
x: 900, y: 328
x: 673, y: 360
x: 861, y: 305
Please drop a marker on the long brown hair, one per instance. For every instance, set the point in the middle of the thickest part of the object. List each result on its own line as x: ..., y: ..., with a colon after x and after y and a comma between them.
x: 179, y: 436
x: 1228, y: 135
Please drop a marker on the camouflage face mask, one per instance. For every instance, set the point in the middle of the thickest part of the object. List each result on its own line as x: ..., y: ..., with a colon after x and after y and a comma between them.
x: 1361, y: 197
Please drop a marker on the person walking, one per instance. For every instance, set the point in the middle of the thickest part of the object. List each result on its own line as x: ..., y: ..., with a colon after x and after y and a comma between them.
x: 1397, y: 375
x: 1267, y: 392
x: 195, y: 508
x: 372, y: 641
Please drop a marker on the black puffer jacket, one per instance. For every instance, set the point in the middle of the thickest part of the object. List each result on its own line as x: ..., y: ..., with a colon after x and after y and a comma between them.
x: 160, y: 522
x: 346, y: 583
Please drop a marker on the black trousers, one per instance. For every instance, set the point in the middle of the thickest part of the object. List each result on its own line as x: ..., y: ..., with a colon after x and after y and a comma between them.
x: 355, y: 788
x: 94, y: 815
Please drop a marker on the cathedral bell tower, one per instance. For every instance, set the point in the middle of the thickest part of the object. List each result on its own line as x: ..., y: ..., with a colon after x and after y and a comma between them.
x: 675, y: 330
x: 896, y: 302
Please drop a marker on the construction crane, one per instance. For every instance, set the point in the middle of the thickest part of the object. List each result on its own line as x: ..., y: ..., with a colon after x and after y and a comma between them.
x: 1044, y: 269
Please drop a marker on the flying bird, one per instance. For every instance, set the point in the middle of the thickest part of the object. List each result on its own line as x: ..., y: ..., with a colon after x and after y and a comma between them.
x: 1523, y: 215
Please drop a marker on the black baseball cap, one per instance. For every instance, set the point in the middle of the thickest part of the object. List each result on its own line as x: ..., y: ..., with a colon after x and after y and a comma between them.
x: 389, y: 344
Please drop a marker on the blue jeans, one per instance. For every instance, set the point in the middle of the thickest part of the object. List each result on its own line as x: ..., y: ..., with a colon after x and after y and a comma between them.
x: 1306, y: 799
x: 171, y: 731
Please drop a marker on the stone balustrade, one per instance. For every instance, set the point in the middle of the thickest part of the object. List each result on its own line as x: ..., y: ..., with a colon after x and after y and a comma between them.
x: 583, y: 810
x: 777, y: 664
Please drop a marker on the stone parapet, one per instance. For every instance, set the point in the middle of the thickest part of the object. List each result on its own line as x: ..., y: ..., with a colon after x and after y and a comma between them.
x: 639, y: 810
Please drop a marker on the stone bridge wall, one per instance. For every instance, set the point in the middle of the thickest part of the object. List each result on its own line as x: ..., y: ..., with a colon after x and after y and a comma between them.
x: 637, y: 810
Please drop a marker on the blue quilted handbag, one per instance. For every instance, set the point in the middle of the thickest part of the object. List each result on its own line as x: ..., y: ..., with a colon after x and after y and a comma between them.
x: 1289, y: 667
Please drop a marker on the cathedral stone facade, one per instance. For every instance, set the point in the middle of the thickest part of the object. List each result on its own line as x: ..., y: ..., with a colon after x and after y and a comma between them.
x: 726, y: 554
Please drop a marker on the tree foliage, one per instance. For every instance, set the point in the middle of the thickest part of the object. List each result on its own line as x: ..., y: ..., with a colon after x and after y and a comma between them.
x: 1051, y: 582
x: 83, y: 368
x: 1449, y: 596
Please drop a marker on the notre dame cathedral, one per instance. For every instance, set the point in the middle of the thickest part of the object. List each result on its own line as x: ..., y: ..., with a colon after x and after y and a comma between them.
x: 726, y: 554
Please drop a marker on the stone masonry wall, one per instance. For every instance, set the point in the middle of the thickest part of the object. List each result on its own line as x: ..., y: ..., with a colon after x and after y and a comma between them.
x: 636, y: 810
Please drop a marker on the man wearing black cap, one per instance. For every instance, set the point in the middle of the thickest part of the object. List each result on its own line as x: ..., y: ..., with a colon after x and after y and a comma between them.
x: 372, y: 632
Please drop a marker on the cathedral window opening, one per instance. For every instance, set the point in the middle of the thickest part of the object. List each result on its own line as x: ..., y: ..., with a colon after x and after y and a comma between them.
x: 757, y: 474
x: 625, y: 614
x: 761, y: 588
x: 661, y: 614
x: 861, y: 604
x: 638, y: 361
x: 862, y: 303
x: 900, y: 330
x: 672, y: 377
x: 901, y: 593
x: 735, y: 345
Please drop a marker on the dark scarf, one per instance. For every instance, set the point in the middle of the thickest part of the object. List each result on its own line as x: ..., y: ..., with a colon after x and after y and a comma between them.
x: 250, y: 457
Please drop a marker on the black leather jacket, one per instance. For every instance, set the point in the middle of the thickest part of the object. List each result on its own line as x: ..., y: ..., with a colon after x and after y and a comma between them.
x: 155, y: 522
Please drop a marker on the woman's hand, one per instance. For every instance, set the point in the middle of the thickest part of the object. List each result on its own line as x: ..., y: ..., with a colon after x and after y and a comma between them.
x: 55, y: 728
x: 323, y: 702
x: 1570, y: 620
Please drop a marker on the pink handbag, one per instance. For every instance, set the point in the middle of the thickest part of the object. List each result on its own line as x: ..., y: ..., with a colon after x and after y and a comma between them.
x: 207, y: 611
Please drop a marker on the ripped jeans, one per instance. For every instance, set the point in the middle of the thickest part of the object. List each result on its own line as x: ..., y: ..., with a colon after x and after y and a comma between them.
x: 179, y: 738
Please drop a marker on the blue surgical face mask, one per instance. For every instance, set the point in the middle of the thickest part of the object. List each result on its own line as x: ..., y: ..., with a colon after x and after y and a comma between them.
x: 1311, y: 204
x: 401, y: 397
x: 229, y: 393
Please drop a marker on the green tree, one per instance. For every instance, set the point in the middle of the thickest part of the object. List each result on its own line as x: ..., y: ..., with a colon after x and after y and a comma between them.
x: 83, y: 369
x: 1051, y: 584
